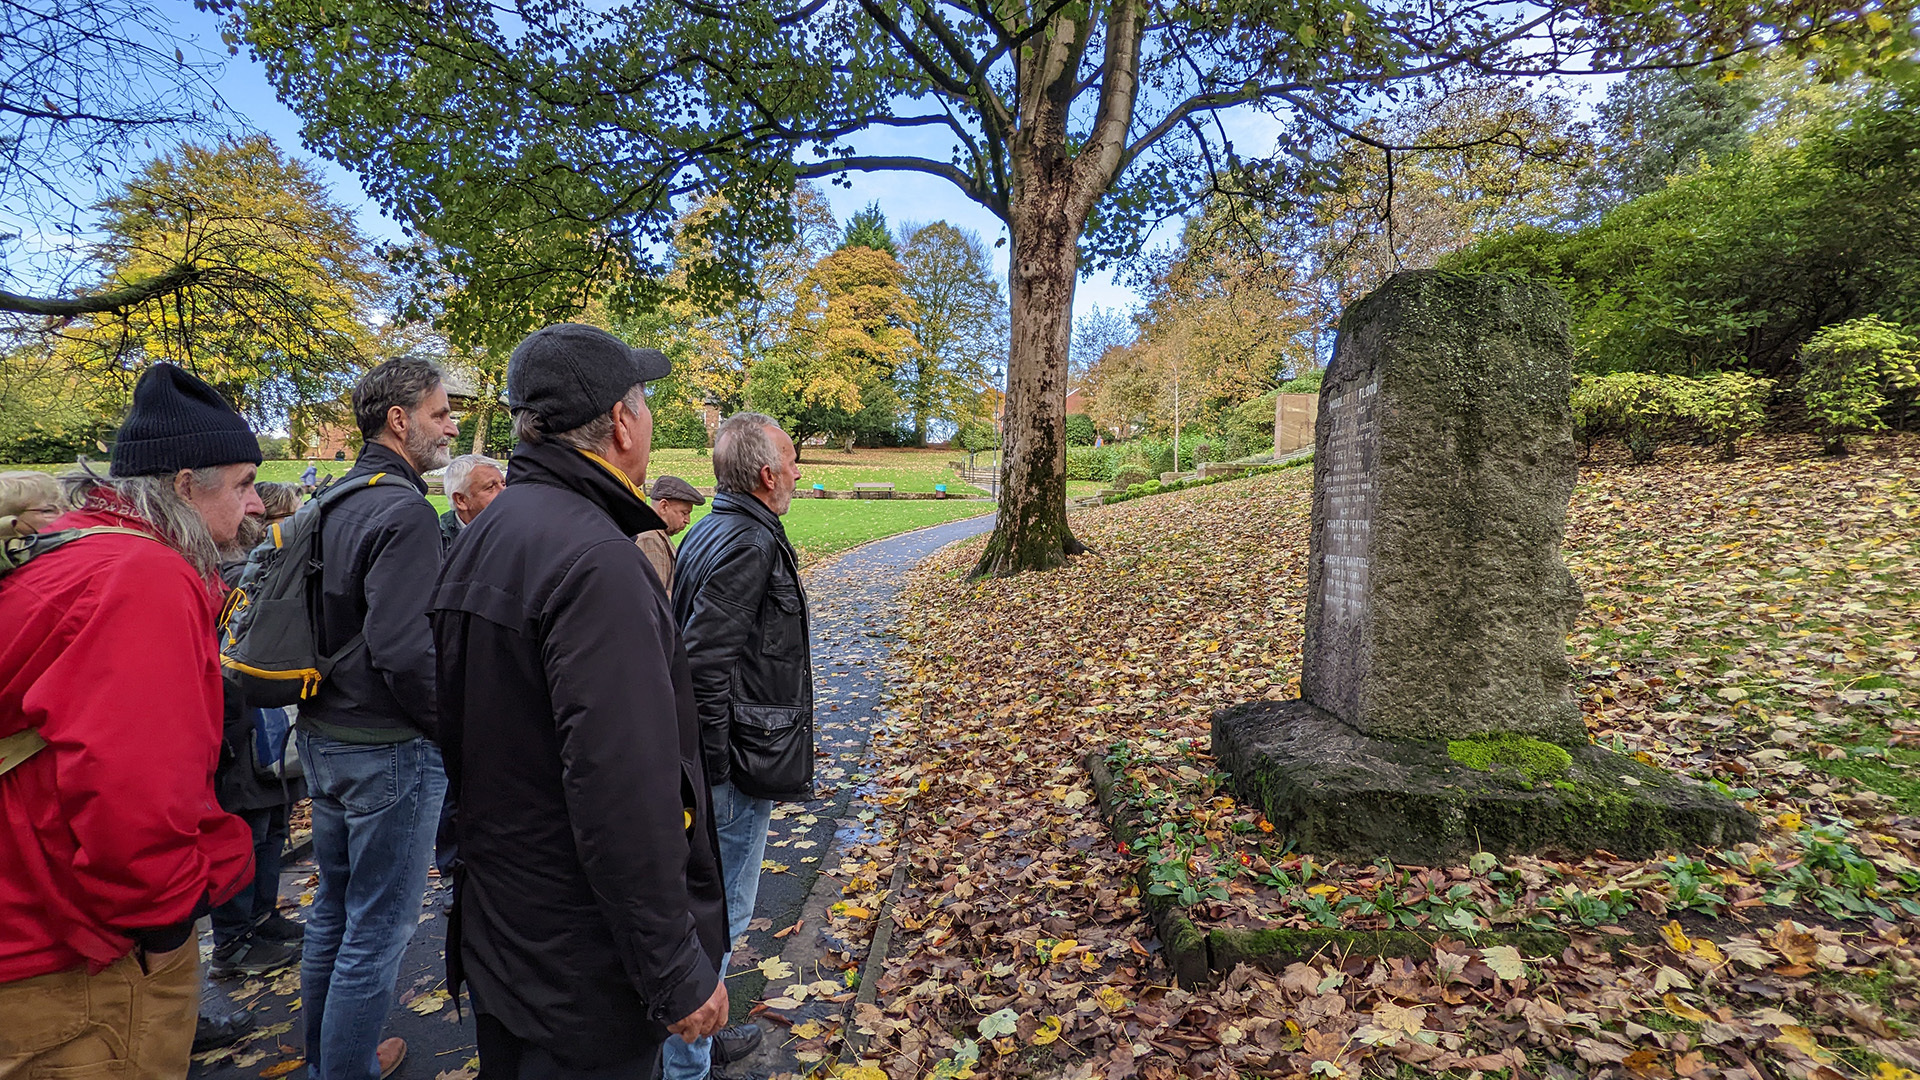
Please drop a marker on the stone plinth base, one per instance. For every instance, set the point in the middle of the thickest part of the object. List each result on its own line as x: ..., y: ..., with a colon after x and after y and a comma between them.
x: 1334, y: 791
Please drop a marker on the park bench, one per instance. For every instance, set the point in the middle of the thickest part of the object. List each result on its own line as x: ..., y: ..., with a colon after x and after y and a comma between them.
x: 875, y: 490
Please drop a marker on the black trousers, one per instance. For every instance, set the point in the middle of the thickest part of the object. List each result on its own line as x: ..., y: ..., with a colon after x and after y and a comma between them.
x: 506, y: 1056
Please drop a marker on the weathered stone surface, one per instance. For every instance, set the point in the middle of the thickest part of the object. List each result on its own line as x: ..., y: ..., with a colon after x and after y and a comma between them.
x: 1437, y: 602
x: 1294, y: 420
x: 1334, y: 790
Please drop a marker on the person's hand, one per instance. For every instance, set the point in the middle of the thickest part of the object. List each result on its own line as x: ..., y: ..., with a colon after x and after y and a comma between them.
x: 707, y: 1019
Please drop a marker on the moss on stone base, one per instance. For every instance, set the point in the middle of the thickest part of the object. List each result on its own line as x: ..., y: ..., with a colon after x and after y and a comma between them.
x: 1534, y: 759
x: 1334, y: 791
x: 1276, y: 947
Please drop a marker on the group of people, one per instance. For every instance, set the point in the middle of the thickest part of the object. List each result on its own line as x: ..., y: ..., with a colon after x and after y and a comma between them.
x: 590, y: 726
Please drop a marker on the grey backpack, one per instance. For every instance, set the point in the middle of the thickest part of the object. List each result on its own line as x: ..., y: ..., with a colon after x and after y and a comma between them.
x: 269, y: 640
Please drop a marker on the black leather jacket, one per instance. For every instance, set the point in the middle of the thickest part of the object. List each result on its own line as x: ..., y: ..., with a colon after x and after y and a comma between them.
x: 743, y: 616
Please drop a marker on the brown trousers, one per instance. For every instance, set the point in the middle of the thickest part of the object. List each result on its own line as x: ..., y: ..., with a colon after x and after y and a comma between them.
x: 133, y: 1021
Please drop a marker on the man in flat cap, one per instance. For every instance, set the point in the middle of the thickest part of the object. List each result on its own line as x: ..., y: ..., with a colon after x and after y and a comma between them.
x: 674, y: 500
x: 589, y: 917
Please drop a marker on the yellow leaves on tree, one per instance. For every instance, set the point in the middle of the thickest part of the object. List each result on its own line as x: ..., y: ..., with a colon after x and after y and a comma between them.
x: 277, y: 314
x: 849, y: 337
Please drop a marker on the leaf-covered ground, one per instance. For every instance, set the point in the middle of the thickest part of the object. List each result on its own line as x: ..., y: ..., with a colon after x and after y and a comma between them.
x: 1751, y: 623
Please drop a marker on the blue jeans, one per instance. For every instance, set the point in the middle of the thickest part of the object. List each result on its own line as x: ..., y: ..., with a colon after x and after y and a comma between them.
x: 742, y: 821
x: 374, y: 812
x: 233, y: 919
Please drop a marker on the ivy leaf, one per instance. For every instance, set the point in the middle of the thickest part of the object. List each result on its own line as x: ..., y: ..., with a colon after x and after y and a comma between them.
x: 995, y: 1025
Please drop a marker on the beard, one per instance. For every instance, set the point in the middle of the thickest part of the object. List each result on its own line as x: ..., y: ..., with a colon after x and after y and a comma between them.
x: 427, y: 450
x: 251, y: 532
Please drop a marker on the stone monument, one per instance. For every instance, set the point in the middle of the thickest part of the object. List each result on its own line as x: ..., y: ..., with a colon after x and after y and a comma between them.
x: 1436, y: 715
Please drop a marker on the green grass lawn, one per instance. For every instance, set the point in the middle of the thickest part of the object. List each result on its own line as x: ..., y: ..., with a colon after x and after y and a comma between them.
x: 818, y: 527
x: 906, y: 470
x: 823, y: 527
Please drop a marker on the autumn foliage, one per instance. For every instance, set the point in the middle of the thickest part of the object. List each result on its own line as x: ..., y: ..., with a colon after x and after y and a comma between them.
x: 1751, y: 624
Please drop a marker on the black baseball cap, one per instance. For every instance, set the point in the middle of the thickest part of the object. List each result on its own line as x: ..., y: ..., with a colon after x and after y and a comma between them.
x: 567, y: 374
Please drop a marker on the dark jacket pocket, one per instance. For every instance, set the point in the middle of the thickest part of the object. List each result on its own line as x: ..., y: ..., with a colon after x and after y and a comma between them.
x: 772, y: 751
x: 783, y: 616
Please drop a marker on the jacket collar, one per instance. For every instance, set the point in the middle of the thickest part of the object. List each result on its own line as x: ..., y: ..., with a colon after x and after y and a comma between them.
x: 587, y: 476
x: 727, y: 502
x: 378, y: 458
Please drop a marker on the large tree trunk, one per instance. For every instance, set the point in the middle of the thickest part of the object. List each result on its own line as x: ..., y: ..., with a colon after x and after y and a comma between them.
x: 483, y: 414
x: 1032, y: 531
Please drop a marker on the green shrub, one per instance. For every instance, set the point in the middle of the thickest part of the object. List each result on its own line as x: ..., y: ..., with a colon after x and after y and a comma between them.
x: 977, y: 435
x: 1629, y: 405
x: 1726, y: 407
x: 1091, y: 463
x: 1645, y: 410
x: 1849, y: 373
x: 43, y: 443
x: 1131, y: 476
x: 1308, y: 383
x: 676, y: 426
x: 1249, y: 426
x: 1080, y: 430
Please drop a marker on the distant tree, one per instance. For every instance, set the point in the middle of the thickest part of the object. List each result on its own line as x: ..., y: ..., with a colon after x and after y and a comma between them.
x: 715, y: 338
x: 835, y: 373
x: 1654, y: 124
x: 868, y: 229
x: 1095, y: 332
x: 85, y: 87
x: 281, y: 311
x: 1428, y: 178
x: 961, y: 328
x: 1736, y: 267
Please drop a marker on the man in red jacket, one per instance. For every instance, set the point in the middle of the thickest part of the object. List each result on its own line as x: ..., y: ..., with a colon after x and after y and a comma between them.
x: 111, y: 842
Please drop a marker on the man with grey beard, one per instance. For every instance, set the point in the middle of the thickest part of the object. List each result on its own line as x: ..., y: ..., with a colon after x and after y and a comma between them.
x: 364, y: 738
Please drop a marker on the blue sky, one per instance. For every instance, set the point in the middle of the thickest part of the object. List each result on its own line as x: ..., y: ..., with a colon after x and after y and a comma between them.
x: 902, y: 196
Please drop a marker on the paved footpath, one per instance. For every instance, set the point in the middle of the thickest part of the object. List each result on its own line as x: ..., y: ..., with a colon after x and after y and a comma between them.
x: 850, y: 605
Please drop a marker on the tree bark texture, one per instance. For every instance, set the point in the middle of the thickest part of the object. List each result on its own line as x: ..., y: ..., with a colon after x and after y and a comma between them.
x: 1053, y: 190
x: 1032, y: 532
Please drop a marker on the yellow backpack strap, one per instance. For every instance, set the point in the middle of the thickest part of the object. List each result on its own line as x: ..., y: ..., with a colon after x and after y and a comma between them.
x: 18, y: 747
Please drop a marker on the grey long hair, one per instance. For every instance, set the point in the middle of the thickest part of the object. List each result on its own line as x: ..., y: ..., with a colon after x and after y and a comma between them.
x: 153, y: 500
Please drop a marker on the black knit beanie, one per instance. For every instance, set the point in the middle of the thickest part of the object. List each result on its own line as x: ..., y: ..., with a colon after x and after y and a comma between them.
x: 179, y: 422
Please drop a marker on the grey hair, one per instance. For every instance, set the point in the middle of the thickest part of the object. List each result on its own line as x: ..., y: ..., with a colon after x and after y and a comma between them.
x: 460, y: 471
x: 592, y: 436
x: 743, y: 445
x: 153, y: 500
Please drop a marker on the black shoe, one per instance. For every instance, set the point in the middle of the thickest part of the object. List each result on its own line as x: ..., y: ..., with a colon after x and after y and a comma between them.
x: 732, y: 1044
x: 277, y: 927
x: 212, y: 1033
x: 252, y: 955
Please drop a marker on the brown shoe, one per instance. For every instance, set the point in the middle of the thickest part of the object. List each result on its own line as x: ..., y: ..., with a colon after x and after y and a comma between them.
x: 389, y: 1055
